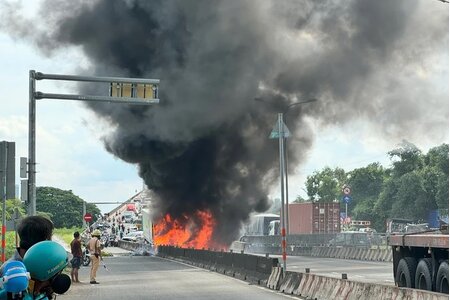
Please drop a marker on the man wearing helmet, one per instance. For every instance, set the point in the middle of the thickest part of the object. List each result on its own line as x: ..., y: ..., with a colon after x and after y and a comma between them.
x: 96, y: 254
x: 31, y: 230
x: 46, y: 274
x: 35, y: 233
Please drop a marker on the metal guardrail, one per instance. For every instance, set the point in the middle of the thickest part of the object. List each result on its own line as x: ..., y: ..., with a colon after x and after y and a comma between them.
x: 344, y: 239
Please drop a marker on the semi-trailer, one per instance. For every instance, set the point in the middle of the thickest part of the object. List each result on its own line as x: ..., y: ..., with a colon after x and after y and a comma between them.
x: 420, y: 260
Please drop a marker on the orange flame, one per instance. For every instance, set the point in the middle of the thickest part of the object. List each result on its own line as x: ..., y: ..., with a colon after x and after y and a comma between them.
x: 191, y: 232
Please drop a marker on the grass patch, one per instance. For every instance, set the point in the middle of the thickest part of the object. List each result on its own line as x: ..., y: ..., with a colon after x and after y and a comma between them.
x: 10, y: 244
x: 66, y: 234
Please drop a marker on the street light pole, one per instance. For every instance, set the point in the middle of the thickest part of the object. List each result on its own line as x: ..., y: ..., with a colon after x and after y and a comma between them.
x: 286, y: 161
x: 286, y: 183
x: 32, y: 146
x: 281, y: 132
x: 282, y: 164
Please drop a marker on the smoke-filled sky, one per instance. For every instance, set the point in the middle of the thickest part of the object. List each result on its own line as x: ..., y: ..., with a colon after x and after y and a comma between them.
x: 226, y: 69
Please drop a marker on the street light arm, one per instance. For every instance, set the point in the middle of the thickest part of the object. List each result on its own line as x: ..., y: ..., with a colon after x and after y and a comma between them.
x: 298, y: 103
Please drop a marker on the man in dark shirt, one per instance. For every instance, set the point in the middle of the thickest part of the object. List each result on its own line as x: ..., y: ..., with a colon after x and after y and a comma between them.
x: 31, y: 230
x: 75, y: 247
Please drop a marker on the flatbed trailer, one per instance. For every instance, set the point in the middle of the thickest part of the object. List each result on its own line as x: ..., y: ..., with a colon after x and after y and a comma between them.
x: 420, y: 260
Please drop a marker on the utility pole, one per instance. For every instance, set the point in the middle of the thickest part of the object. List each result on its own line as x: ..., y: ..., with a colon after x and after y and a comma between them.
x: 4, y: 176
x: 282, y: 215
x: 32, y: 146
x: 7, y: 183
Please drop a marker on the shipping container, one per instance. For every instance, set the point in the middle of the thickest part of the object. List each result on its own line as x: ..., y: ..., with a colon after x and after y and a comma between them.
x: 314, y: 218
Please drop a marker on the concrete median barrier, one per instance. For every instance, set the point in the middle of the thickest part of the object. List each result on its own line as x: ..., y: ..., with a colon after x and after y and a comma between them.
x: 290, y: 282
x: 266, y: 272
x: 313, y: 286
x: 275, y: 277
x: 349, y: 253
x: 254, y: 269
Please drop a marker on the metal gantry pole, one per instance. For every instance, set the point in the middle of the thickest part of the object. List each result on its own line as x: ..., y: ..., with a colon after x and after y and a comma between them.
x: 41, y: 76
x: 4, y: 203
x: 33, y: 96
x: 32, y: 146
x: 282, y: 215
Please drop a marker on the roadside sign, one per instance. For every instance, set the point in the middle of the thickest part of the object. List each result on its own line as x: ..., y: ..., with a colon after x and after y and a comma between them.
x: 346, y: 190
x: 347, y: 199
x: 275, y: 134
x: 87, y: 217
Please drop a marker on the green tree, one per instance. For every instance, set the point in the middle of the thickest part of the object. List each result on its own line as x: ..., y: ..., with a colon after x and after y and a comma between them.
x: 405, y: 159
x: 442, y: 194
x: 326, y: 185
x: 411, y: 199
x: 410, y: 189
x: 436, y: 174
x: 11, y: 206
x: 300, y: 199
x: 384, y: 203
x: 367, y: 184
x: 63, y: 207
x: 438, y: 157
x: 368, y: 181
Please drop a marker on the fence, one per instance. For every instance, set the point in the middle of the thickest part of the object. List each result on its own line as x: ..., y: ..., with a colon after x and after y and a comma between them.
x: 344, y: 239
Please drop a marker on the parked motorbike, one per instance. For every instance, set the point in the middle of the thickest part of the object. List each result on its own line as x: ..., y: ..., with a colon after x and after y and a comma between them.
x: 113, y: 241
x: 86, y: 257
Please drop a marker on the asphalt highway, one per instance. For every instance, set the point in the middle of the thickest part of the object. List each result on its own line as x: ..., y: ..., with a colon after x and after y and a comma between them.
x: 148, y: 277
x: 356, y: 270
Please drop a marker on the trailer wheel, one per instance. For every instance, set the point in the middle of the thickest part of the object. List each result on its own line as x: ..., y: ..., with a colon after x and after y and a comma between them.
x: 405, y: 272
x: 423, y: 275
x: 442, y: 278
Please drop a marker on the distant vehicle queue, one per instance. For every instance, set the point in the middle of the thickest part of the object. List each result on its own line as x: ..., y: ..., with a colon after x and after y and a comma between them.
x: 123, y: 225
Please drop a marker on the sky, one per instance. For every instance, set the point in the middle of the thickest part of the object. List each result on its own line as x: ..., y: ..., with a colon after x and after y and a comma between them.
x: 72, y: 156
x: 69, y: 154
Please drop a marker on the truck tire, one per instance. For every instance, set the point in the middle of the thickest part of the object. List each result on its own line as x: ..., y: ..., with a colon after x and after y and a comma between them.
x: 442, y: 278
x: 423, y: 280
x: 406, y: 270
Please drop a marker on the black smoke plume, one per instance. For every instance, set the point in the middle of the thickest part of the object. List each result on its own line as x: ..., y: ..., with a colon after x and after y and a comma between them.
x: 206, y: 146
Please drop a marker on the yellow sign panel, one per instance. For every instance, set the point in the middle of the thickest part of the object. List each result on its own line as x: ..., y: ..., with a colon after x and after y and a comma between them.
x: 133, y: 90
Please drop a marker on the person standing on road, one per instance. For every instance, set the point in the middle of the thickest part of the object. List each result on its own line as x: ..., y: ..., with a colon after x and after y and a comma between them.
x: 75, y: 247
x: 96, y: 254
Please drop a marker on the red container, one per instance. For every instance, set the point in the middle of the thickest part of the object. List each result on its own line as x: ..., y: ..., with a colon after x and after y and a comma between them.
x: 314, y: 218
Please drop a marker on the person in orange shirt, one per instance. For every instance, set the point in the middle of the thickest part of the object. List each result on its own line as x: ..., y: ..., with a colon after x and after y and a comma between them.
x: 96, y: 254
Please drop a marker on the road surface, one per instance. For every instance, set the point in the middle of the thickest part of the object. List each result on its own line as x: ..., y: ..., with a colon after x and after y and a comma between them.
x: 356, y: 270
x: 144, y: 277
